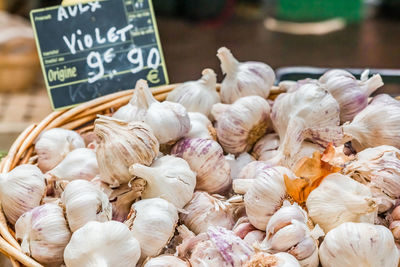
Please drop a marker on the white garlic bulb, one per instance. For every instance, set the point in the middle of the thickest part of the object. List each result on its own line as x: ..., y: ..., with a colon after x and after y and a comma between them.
x: 43, y: 233
x: 102, y: 244
x: 206, y: 159
x: 197, y: 96
x: 243, y: 79
x: 83, y: 203
x: 169, y: 178
x: 241, y: 124
x: 287, y: 231
x: 280, y: 259
x: 53, y: 145
x: 377, y: 124
x: 205, y: 210
x: 340, y: 199
x: 359, y: 244
x: 168, y: 120
x: 21, y: 190
x: 165, y: 261
x: 80, y: 163
x: 265, y: 195
x: 123, y: 144
x: 238, y: 163
x: 311, y: 113
x: 152, y: 223
x: 201, y: 127
x: 265, y: 148
x: 378, y: 168
x: 352, y: 95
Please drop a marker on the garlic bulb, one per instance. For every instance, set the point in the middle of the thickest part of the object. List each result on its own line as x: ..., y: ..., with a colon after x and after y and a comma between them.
x: 123, y: 144
x: 165, y: 261
x: 238, y: 163
x: 378, y: 168
x: 206, y: 159
x: 204, y: 211
x: 43, y: 233
x: 311, y: 113
x: 201, y: 127
x: 169, y: 178
x: 102, y: 244
x: 168, y: 120
x: 80, y: 163
x: 152, y: 223
x: 53, y: 145
x: 83, y: 203
x: 241, y: 124
x: 265, y: 195
x: 243, y: 79
x: 281, y: 259
x: 197, y: 96
x: 265, y: 148
x: 21, y: 190
x: 359, y: 244
x: 352, y: 95
x: 377, y: 124
x: 340, y: 199
x: 287, y: 231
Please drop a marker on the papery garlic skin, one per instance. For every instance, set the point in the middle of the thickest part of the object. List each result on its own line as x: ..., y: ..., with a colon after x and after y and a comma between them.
x: 152, y: 223
x: 309, y: 113
x: 169, y: 178
x: 83, y: 203
x: 243, y: 79
x: 123, y: 144
x: 80, y: 163
x: 21, y: 190
x: 267, y: 144
x: 169, y: 120
x: 204, y: 211
x: 238, y: 163
x: 166, y: 261
x: 241, y: 124
x: 352, y: 95
x: 197, y: 96
x: 359, y: 244
x: 53, y: 145
x: 379, y: 169
x: 280, y: 259
x: 340, y: 199
x: 102, y: 244
x: 266, y: 195
x: 43, y: 233
x: 206, y: 158
x: 201, y: 127
x: 377, y: 124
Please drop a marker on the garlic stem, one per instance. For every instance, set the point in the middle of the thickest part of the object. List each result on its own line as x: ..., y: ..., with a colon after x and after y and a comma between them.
x: 360, y: 204
x: 229, y: 63
x: 145, y: 95
x: 241, y: 186
x: 142, y: 171
x: 209, y: 79
x: 372, y: 84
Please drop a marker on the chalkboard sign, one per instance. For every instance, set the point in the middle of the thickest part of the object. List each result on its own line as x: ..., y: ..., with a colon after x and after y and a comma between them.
x: 101, y: 47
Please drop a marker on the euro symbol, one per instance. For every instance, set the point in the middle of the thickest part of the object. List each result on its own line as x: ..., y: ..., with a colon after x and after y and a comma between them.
x: 152, y: 76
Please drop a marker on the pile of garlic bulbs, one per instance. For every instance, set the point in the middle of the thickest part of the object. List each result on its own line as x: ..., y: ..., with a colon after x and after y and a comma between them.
x: 207, y: 178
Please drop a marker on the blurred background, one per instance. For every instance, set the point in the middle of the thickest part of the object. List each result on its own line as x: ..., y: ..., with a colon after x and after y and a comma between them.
x: 282, y: 33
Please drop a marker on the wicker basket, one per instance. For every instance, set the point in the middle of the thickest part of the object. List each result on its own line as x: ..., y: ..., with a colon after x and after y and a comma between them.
x: 80, y: 119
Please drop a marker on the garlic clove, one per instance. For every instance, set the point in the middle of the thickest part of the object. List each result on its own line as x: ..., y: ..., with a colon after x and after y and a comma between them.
x: 123, y: 144
x: 165, y: 261
x: 169, y: 178
x: 43, y: 233
x: 287, y: 237
x: 395, y: 228
x: 267, y: 143
x: 242, y: 123
x: 304, y: 249
x: 254, y: 237
x: 197, y: 96
x: 201, y: 127
x: 396, y: 213
x: 102, y: 244
x: 80, y: 163
x: 53, y: 145
x: 206, y: 158
x: 83, y: 203
x: 243, y: 79
x: 21, y: 190
x: 152, y: 222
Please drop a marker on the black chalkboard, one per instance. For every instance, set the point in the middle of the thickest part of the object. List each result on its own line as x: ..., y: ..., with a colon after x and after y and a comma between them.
x: 101, y: 47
